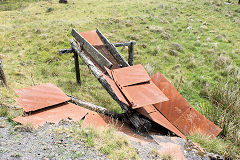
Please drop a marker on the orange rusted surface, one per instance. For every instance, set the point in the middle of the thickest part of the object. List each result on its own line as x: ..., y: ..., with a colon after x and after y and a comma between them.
x: 143, y: 94
x: 95, y: 120
x: 192, y: 121
x: 174, y: 150
x: 136, y: 86
x: 130, y: 75
x: 54, y: 114
x: 180, y: 113
x: 116, y: 90
x: 40, y: 96
x: 151, y: 113
x: 92, y: 37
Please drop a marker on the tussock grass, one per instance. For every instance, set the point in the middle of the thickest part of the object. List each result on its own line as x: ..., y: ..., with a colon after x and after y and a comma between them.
x: 217, y: 145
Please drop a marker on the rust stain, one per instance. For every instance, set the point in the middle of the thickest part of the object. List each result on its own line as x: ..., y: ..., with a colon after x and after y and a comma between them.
x: 54, y: 114
x: 40, y: 96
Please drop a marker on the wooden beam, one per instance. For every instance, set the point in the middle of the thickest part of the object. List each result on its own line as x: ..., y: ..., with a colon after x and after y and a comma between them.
x: 131, y: 54
x: 96, y: 108
x: 61, y: 51
x: 77, y: 70
x: 124, y: 44
x: 93, y: 52
x: 118, y: 57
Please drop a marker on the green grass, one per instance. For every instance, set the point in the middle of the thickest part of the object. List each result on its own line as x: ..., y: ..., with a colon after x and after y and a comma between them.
x: 106, y: 140
x: 224, y: 148
x: 196, y: 40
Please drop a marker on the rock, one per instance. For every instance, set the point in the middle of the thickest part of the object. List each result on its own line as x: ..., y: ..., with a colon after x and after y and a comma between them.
x: 156, y: 29
x: 165, y: 36
x: 63, y: 1
x: 204, y: 27
x: 173, y: 52
x: 177, y: 47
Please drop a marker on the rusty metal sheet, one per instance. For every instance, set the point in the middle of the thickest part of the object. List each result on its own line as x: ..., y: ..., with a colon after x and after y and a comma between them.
x: 143, y: 94
x: 176, y: 105
x: 92, y: 37
x: 54, y: 115
x: 40, y: 96
x: 109, y: 72
x: 179, y: 112
x: 116, y: 90
x: 130, y: 75
x: 192, y: 121
x: 94, y: 119
x: 159, y: 118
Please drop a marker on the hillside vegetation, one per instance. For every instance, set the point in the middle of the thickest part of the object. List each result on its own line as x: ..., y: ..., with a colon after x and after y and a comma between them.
x: 194, y: 44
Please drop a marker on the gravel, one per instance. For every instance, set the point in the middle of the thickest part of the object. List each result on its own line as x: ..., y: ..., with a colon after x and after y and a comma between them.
x: 45, y: 143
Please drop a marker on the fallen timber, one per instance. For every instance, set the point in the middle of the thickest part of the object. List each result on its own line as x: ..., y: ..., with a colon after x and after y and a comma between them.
x: 141, y: 124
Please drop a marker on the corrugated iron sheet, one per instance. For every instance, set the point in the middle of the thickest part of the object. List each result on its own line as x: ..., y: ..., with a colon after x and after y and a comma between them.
x: 40, y: 96
x: 54, y: 114
x: 180, y: 113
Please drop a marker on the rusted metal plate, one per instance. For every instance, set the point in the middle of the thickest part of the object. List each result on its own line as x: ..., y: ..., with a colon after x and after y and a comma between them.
x: 192, y: 121
x: 143, y: 94
x: 54, y: 115
x: 176, y: 105
x: 130, y: 75
x: 92, y: 37
x: 159, y: 118
x: 180, y: 113
x: 40, y: 96
x: 116, y: 90
x: 105, y: 52
x: 94, y: 119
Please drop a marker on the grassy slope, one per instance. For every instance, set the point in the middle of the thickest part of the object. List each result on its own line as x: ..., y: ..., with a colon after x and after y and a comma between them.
x: 208, y: 32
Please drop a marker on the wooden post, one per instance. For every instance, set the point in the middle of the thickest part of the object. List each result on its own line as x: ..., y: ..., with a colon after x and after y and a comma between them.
x: 112, y: 49
x: 2, y: 75
x: 77, y: 70
x: 131, y: 54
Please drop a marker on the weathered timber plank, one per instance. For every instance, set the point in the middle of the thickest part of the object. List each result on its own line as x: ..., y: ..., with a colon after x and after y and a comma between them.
x: 93, y: 52
x: 131, y: 54
x: 118, y: 57
x: 96, y: 108
x: 124, y: 44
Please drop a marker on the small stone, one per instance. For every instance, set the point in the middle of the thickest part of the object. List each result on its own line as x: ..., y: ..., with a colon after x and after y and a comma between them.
x: 63, y: 1
x: 173, y: 52
x: 177, y: 47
